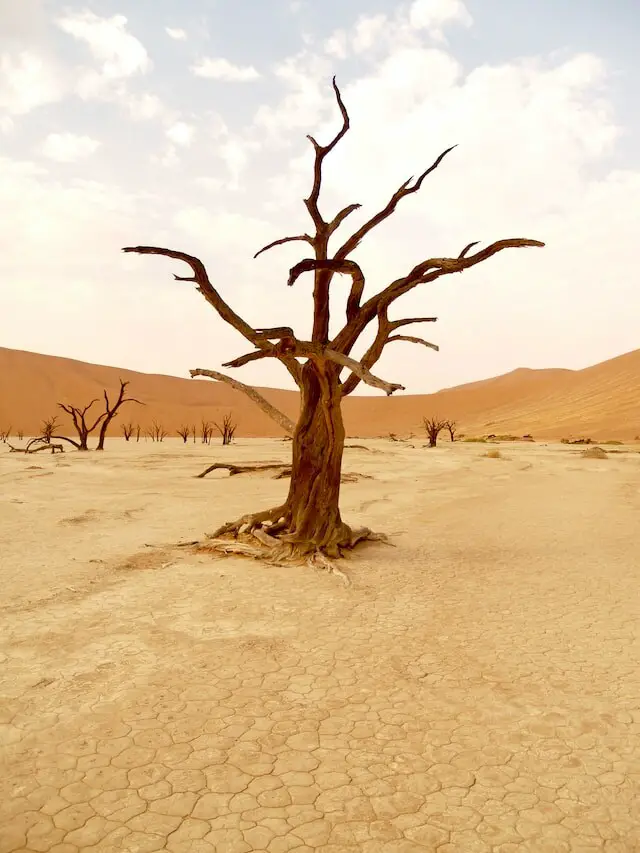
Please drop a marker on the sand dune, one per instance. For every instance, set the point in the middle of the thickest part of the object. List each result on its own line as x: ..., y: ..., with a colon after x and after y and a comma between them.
x: 602, y: 401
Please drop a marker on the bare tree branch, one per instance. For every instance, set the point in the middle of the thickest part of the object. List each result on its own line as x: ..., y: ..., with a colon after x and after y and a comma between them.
x: 404, y: 190
x: 249, y: 357
x: 423, y: 273
x: 275, y: 414
x: 362, y: 372
x: 339, y: 218
x: 396, y: 324
x: 204, y: 287
x: 346, y: 267
x: 214, y: 299
x: 305, y: 238
x: 413, y: 340
x: 311, y: 203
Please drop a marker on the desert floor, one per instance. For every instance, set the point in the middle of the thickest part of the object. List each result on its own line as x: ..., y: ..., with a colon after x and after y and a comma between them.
x: 476, y: 688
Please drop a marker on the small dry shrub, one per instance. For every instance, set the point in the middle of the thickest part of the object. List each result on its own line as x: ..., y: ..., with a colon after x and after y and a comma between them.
x: 493, y: 454
x: 594, y: 453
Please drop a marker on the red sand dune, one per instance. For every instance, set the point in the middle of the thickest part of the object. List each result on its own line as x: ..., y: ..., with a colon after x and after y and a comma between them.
x: 601, y: 402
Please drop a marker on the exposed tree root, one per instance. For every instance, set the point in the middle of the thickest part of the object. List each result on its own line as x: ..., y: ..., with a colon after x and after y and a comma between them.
x: 267, y: 536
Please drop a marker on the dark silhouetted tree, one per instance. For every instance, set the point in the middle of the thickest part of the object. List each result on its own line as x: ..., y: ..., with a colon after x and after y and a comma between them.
x: 227, y: 429
x: 112, y: 410
x: 433, y: 427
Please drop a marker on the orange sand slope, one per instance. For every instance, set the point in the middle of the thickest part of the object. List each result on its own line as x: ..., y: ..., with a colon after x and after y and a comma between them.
x: 602, y: 402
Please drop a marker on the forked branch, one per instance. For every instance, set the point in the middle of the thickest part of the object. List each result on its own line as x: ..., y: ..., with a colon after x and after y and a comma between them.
x: 404, y: 190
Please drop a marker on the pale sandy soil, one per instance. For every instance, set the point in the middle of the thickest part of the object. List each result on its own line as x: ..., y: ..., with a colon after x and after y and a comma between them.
x: 476, y: 688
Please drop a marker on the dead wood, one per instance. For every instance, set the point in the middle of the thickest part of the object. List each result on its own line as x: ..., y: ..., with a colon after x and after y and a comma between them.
x: 308, y: 526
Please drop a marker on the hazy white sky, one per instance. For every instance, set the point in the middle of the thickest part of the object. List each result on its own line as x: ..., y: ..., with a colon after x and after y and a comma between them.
x: 183, y: 124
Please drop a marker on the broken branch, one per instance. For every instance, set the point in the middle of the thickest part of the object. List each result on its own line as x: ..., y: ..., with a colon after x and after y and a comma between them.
x: 305, y: 238
x: 275, y: 414
x: 362, y: 372
x: 413, y: 340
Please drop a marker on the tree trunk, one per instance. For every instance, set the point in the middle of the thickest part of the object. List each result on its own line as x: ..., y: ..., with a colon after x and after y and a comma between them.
x: 103, y: 432
x: 312, y: 507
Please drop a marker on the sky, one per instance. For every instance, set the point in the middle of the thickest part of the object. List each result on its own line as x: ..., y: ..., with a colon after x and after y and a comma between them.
x: 183, y: 124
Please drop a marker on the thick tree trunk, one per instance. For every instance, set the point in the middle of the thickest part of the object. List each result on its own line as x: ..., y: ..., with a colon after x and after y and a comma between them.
x: 313, y: 509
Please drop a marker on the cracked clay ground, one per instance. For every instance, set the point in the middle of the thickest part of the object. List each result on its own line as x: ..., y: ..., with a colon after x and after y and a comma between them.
x: 475, y: 690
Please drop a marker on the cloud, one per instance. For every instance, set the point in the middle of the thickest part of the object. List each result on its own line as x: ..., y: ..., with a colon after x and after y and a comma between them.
x: 432, y: 15
x: 68, y: 147
x: 120, y: 53
x: 222, y: 69
x: 181, y: 133
x: 177, y: 34
x: 27, y: 81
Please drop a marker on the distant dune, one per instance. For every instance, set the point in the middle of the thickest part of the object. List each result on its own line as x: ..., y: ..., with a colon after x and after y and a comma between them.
x: 601, y: 402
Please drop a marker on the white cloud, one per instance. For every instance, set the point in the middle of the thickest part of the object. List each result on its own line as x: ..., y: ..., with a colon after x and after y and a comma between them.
x: 181, y: 133
x: 336, y: 45
x: 222, y: 69
x: 120, y: 53
x: 142, y: 106
x: 432, y: 15
x: 68, y: 147
x: 6, y: 124
x: 27, y: 81
x: 176, y: 33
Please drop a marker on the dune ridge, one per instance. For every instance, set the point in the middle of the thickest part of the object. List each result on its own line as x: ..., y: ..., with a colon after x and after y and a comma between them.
x: 601, y: 401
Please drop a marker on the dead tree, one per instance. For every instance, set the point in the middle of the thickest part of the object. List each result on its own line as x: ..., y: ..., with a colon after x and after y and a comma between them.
x: 47, y: 427
x: 308, y: 523
x: 127, y: 430
x: 79, y: 418
x: 137, y: 432
x: 227, y: 429
x: 433, y: 427
x: 5, y: 434
x: 112, y: 411
x: 20, y: 434
x: 451, y: 427
x: 183, y: 432
x: 206, y: 431
x: 193, y: 432
x: 157, y: 432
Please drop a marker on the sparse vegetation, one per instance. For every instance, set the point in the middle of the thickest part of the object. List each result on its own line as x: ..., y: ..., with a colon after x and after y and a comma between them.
x: 206, y: 431
x: 227, y: 429
x: 451, y: 427
x: 475, y: 439
x: 594, y: 453
x: 184, y: 432
x: 111, y: 410
x: 79, y: 419
x: 157, y: 432
x: 127, y: 431
x: 308, y: 525
x: 575, y: 441
x: 433, y: 428
x: 493, y: 454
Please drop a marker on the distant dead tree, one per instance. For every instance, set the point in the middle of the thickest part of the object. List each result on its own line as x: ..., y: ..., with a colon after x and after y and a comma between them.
x: 5, y: 434
x: 79, y: 418
x: 20, y: 434
x: 193, y: 432
x: 227, y: 430
x: 47, y: 428
x: 452, y: 428
x: 138, y: 430
x: 111, y: 410
x: 157, y: 432
x: 433, y: 427
x: 183, y: 432
x: 127, y: 430
x: 308, y: 525
x: 206, y: 431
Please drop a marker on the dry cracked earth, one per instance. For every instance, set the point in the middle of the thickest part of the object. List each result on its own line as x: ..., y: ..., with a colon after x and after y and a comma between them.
x: 475, y: 690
